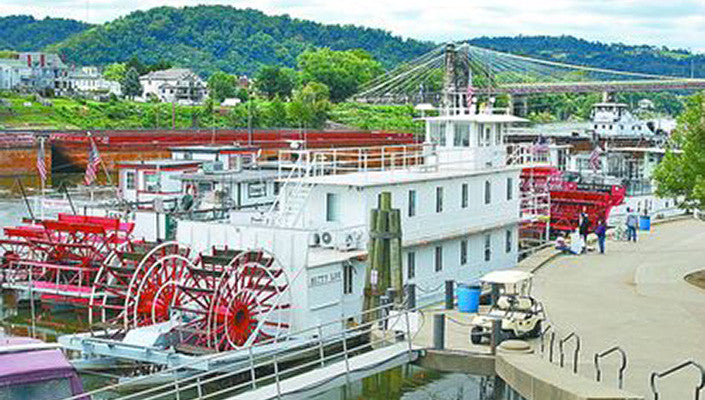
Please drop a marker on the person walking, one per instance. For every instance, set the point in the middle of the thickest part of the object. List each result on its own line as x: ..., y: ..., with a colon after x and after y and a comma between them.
x: 601, y: 232
x: 584, y: 228
x: 632, y: 223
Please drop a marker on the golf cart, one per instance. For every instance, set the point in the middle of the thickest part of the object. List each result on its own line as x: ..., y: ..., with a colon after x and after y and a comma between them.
x: 519, y: 314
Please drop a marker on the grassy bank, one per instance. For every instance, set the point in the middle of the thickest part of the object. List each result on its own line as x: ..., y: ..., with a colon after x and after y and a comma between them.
x: 26, y: 112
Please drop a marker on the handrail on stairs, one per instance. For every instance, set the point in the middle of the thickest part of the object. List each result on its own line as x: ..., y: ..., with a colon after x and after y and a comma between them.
x: 622, y: 368
x: 674, y: 369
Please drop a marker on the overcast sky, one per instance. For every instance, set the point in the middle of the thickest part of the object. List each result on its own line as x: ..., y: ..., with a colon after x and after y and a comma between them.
x: 673, y: 23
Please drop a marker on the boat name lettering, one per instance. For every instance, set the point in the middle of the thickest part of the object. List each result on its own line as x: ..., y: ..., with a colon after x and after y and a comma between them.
x: 325, y: 279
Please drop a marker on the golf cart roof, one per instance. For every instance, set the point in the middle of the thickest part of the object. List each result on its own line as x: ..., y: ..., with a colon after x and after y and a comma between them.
x: 506, y: 277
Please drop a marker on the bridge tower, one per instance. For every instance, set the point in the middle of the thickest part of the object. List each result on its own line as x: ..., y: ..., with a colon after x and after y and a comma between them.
x: 449, y: 87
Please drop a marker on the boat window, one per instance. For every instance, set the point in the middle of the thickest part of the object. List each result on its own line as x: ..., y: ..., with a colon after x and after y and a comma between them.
x: 412, y: 203
x: 151, y: 182
x: 347, y: 278
x: 130, y: 180
x: 464, y: 195
x: 256, y: 190
x: 510, y: 188
x: 411, y: 264
x: 508, y: 241
x: 204, y: 187
x: 44, y: 390
x: 439, y: 199
x: 488, y: 192
x: 488, y: 247
x: 488, y: 136
x: 463, y: 252
x: 332, y: 207
x: 442, y: 131
x: 439, y: 259
x: 480, y: 129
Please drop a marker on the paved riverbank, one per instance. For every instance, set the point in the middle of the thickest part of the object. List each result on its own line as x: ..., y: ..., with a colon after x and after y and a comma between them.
x: 634, y: 296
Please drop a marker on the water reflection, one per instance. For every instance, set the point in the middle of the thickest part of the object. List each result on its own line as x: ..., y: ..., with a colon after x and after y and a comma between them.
x: 408, y: 382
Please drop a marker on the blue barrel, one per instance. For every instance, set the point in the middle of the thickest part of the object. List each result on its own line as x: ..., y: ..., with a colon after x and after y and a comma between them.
x: 468, y: 298
x: 645, y: 223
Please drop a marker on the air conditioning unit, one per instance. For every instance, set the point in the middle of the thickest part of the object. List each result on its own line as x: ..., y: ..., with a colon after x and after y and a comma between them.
x: 342, y: 239
x: 314, y: 240
x: 351, y: 239
x: 327, y: 237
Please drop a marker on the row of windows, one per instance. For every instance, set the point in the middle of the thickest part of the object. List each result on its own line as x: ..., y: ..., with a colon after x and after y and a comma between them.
x: 464, y: 196
x: 634, y: 127
x: 438, y: 253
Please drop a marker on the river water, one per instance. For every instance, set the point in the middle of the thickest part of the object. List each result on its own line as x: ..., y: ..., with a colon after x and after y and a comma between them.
x: 409, y: 382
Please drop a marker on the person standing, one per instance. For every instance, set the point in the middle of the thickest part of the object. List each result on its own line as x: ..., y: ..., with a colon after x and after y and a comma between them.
x: 584, y: 228
x: 601, y: 232
x: 632, y: 223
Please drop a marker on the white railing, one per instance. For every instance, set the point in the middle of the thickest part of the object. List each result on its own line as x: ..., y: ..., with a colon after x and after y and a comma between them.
x: 271, y: 367
x: 355, y: 159
x: 528, y: 154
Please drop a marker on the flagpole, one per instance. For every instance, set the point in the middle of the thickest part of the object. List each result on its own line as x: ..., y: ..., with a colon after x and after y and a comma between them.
x: 41, y: 178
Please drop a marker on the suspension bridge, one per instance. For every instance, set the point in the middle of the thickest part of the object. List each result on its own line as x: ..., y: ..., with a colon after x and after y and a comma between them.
x: 462, y: 69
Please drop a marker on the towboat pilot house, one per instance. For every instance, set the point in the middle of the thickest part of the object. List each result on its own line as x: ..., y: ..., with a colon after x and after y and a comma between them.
x: 459, y: 205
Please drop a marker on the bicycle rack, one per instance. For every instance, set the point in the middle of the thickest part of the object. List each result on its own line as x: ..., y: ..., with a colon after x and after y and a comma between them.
x: 575, y: 353
x: 675, y: 369
x: 622, y: 368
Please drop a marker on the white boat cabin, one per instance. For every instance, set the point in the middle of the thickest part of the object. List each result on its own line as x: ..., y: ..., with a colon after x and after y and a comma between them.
x: 228, y: 178
x: 459, y: 203
x: 144, y: 181
x: 615, y: 120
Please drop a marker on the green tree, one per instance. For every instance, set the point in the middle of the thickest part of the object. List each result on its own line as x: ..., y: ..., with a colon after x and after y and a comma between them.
x: 131, y: 86
x: 222, y: 86
x: 134, y: 62
x: 115, y: 72
x: 310, y: 106
x: 274, y: 81
x: 341, y: 71
x: 275, y: 115
x: 682, y: 174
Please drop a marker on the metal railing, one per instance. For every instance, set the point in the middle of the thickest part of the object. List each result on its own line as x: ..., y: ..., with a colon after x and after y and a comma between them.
x: 674, y: 369
x: 314, y: 352
x: 355, y: 159
x: 576, y: 352
x: 622, y: 367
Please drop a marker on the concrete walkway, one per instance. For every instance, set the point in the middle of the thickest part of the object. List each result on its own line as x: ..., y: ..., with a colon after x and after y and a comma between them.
x: 635, y: 297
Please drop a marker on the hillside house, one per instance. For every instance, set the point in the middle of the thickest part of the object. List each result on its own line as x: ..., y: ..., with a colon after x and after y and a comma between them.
x: 177, y: 85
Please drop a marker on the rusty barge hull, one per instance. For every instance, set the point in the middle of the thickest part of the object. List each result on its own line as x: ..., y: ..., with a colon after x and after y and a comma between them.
x: 67, y: 151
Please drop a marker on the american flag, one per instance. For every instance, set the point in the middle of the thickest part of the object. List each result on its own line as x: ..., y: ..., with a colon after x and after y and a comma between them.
x: 93, y: 163
x: 41, y: 163
x: 595, y: 158
x: 541, y: 146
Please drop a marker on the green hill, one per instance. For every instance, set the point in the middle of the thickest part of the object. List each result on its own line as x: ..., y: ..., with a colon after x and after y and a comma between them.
x: 24, y: 33
x: 212, y: 38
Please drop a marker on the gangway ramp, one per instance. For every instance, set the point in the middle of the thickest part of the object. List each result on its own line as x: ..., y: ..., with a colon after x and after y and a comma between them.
x: 336, y: 374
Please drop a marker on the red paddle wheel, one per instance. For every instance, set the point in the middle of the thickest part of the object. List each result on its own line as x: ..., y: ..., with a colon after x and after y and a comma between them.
x: 61, y: 257
x: 567, y: 199
x: 222, y: 301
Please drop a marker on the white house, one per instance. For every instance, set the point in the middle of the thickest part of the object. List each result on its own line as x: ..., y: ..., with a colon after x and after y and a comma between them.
x: 178, y: 85
x: 90, y: 80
